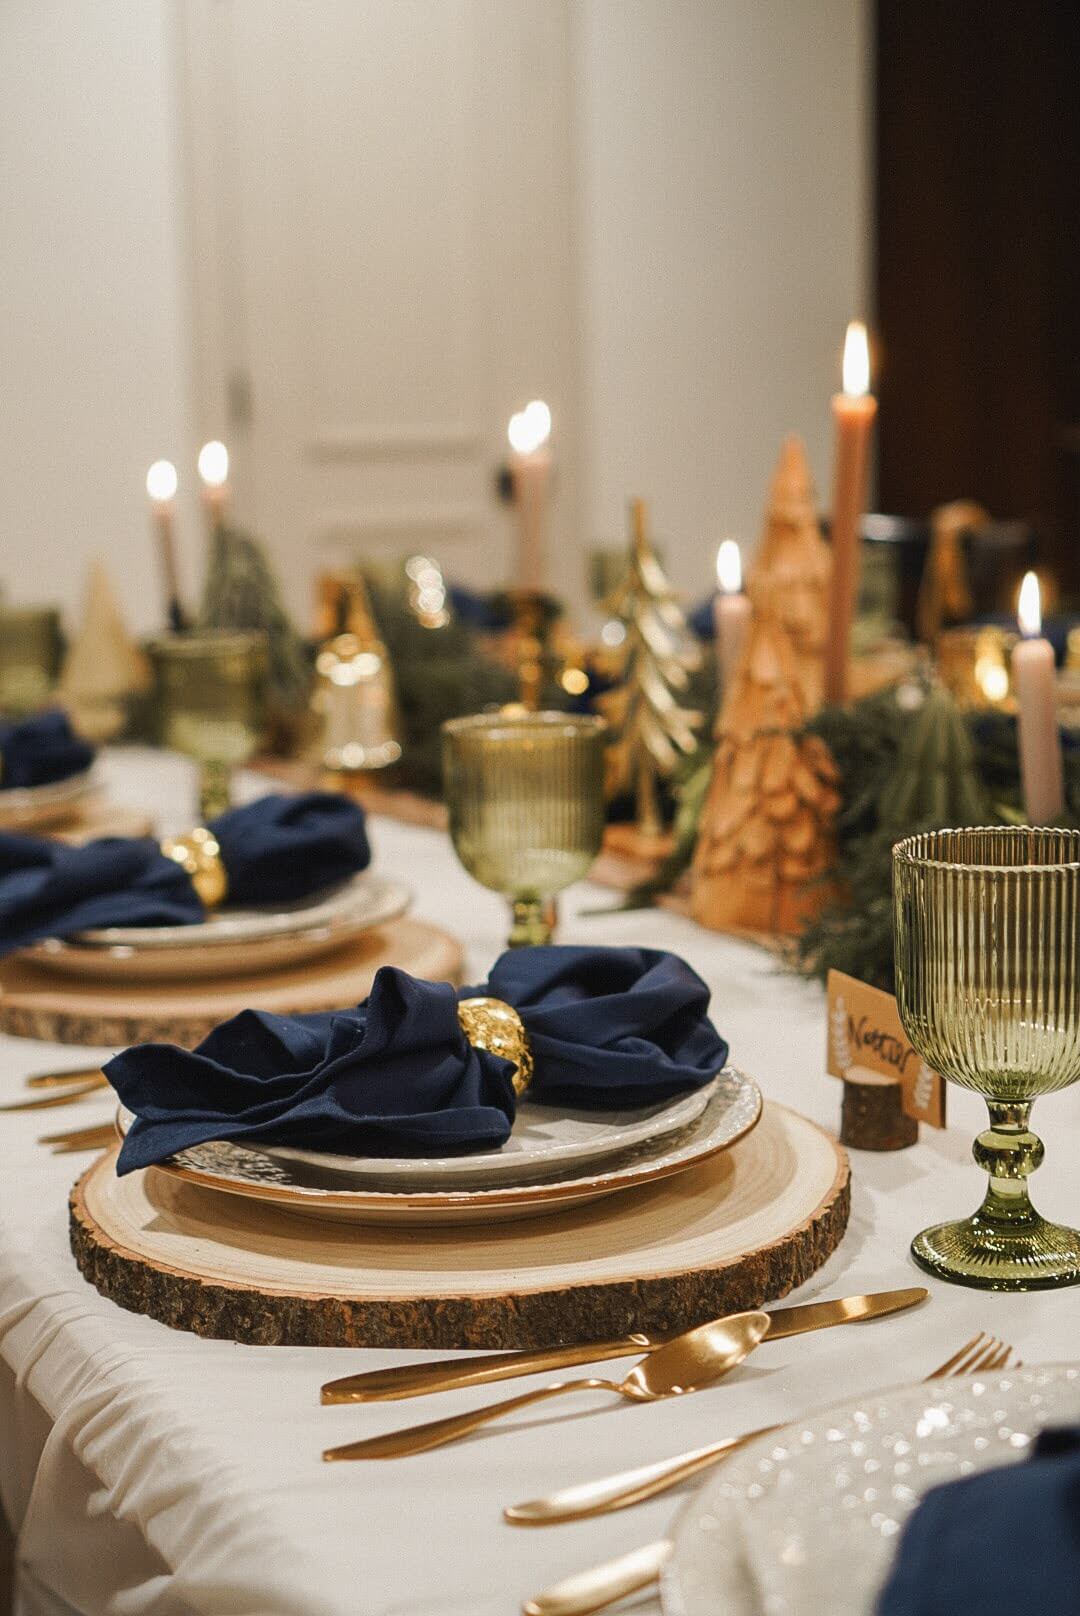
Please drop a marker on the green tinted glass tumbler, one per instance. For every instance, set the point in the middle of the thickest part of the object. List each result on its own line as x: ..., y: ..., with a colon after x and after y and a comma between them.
x: 525, y: 794
x: 988, y: 987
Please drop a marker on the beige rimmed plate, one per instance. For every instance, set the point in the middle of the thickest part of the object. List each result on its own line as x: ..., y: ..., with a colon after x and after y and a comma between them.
x: 28, y: 808
x: 732, y: 1110
x: 807, y: 1519
x: 229, y: 942
x: 544, y: 1142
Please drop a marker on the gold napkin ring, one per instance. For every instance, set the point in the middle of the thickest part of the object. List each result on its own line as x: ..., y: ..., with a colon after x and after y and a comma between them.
x: 198, y: 853
x: 492, y: 1025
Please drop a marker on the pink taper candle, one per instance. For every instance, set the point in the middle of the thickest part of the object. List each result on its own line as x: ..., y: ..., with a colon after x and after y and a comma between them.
x: 1035, y: 683
x: 214, y: 476
x: 854, y: 410
x: 731, y: 611
x: 530, y: 467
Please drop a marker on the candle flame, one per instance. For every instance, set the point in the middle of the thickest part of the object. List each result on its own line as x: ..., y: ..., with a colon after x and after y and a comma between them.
x: 1029, y: 610
x: 214, y: 464
x: 856, y: 369
x: 161, y: 482
x: 729, y: 568
x: 529, y: 428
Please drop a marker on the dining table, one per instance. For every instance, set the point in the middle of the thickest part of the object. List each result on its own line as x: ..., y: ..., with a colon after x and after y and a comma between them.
x: 147, y: 1472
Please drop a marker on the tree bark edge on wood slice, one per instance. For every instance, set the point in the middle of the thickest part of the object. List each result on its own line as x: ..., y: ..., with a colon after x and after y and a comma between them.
x: 225, y: 1310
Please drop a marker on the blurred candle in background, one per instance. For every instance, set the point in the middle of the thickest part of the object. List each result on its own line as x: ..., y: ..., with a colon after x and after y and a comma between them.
x: 214, y: 475
x: 853, y: 411
x: 161, y: 486
x: 1035, y: 684
x: 731, y: 611
x: 529, y: 433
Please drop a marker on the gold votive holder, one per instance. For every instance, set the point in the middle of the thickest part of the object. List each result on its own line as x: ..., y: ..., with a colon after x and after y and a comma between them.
x: 525, y: 795
x: 30, y: 645
x: 975, y: 665
x: 211, y: 700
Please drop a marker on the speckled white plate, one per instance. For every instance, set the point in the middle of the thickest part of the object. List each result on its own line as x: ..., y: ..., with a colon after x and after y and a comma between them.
x: 29, y: 808
x: 807, y: 1519
x: 231, y: 941
x: 732, y: 1109
x: 545, y: 1141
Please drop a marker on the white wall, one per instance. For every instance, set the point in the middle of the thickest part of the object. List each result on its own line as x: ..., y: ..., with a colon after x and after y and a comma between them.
x: 93, y: 360
x: 723, y: 227
x: 721, y: 235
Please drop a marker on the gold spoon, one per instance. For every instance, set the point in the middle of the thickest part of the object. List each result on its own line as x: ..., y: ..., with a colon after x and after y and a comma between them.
x: 690, y: 1361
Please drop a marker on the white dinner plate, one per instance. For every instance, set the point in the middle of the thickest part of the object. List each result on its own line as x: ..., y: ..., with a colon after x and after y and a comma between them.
x: 732, y: 1109
x: 29, y: 808
x: 807, y: 1519
x: 229, y: 941
x: 545, y: 1141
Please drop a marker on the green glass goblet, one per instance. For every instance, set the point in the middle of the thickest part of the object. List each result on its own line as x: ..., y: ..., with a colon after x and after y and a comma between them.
x: 525, y: 793
x: 988, y: 988
x: 211, y: 691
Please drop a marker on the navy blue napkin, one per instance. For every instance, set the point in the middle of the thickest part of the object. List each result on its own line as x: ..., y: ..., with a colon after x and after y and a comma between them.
x: 609, y: 1027
x: 277, y: 850
x: 41, y: 750
x: 1008, y: 1539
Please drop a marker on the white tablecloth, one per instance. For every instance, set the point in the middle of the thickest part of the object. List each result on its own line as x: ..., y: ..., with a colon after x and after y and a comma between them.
x: 148, y: 1473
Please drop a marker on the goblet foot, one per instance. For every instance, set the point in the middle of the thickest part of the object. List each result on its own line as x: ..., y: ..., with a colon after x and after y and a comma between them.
x: 1029, y: 1254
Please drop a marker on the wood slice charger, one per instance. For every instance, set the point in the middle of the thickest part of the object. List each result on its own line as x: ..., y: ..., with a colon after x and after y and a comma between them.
x: 37, y: 1003
x: 738, y: 1230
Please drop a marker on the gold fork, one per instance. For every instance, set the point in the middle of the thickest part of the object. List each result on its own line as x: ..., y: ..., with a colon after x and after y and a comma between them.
x: 604, y: 1585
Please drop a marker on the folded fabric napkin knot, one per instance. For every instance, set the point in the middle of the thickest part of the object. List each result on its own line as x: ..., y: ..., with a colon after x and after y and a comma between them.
x: 276, y: 850
x: 41, y: 751
x: 419, y: 1070
x: 1008, y: 1539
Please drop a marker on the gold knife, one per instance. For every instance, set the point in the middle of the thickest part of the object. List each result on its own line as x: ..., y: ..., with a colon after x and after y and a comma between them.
x: 60, y: 1080
x: 384, y: 1385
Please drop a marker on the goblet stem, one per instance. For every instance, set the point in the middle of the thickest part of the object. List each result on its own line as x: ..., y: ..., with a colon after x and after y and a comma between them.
x: 215, y: 790
x: 1009, y: 1152
x: 534, y: 921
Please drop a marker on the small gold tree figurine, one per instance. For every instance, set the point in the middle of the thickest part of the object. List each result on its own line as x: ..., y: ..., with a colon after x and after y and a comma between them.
x: 766, y: 830
x: 652, y: 731
x: 793, y: 565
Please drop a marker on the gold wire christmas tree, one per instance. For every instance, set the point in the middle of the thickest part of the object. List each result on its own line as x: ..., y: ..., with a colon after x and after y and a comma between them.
x: 652, y: 730
x: 793, y: 565
x: 766, y: 830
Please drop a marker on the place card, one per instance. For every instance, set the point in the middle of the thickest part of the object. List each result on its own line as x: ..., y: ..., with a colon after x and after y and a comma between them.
x: 866, y: 1034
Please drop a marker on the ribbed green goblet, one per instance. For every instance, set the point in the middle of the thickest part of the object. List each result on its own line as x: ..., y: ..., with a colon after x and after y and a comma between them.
x: 988, y: 988
x: 525, y: 793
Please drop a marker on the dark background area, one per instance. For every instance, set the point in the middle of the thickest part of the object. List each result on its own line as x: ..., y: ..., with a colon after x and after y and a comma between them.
x: 977, y: 228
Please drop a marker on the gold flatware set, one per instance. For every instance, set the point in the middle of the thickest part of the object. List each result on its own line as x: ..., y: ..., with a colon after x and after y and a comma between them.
x: 415, y: 1380
x: 59, y: 1088
x: 601, y: 1586
x: 671, y: 1367
x: 52, y: 1089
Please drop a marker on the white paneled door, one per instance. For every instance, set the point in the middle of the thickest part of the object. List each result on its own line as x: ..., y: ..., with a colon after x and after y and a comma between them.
x: 380, y: 204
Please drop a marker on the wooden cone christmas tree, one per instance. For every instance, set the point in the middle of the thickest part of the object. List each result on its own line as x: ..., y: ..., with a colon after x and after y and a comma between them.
x: 104, y: 668
x: 767, y: 825
x: 793, y: 565
x: 652, y: 731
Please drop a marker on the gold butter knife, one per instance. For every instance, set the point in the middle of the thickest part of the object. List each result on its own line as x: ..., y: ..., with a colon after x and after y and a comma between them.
x: 414, y: 1380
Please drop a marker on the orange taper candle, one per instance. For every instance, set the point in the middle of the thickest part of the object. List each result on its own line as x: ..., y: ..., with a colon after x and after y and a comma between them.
x: 853, y: 410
